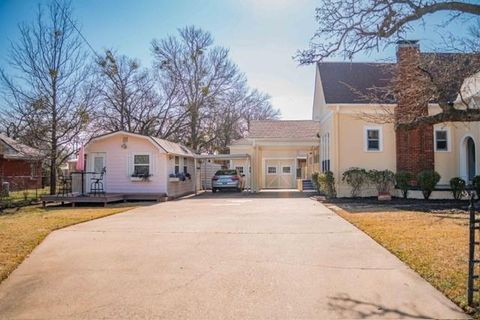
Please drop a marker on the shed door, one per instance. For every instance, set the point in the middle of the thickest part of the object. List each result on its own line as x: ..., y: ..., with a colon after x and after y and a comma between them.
x: 279, y: 174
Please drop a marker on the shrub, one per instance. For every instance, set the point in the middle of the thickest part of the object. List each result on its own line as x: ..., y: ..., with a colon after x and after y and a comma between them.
x: 427, y: 180
x: 326, y: 183
x: 355, y: 178
x: 382, y: 179
x: 476, y: 185
x: 315, y: 180
x: 402, y: 179
x: 458, y: 187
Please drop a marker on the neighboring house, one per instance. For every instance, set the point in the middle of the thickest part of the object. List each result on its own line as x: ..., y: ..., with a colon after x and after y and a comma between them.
x: 281, y: 151
x: 20, y: 165
x: 127, y: 157
x: 341, y: 107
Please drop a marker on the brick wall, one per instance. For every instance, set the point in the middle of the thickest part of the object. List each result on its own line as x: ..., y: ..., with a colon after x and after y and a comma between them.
x: 414, y: 147
x: 19, y: 174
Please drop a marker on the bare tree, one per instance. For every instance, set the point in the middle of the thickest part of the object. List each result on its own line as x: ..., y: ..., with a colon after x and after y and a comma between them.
x: 131, y: 99
x: 346, y: 28
x: 202, y: 73
x: 47, y: 94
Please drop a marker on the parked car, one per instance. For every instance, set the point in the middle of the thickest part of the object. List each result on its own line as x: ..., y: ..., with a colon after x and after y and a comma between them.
x: 228, y: 179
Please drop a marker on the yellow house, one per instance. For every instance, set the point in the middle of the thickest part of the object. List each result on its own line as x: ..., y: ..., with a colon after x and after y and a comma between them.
x: 345, y: 132
x: 355, y: 137
x: 282, y: 153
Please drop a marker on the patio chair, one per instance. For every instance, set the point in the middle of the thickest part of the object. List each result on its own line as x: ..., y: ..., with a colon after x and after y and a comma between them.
x: 65, y: 185
x: 96, y: 183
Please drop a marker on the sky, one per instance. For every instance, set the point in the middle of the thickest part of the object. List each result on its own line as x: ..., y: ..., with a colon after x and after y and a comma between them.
x: 262, y: 36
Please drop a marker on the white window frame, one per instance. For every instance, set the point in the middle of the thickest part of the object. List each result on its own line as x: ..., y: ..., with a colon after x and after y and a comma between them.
x: 286, y: 174
x: 185, y: 165
x: 142, y: 164
x: 240, y: 171
x: 176, y: 164
x: 272, y: 174
x: 446, y: 129
x: 380, y: 138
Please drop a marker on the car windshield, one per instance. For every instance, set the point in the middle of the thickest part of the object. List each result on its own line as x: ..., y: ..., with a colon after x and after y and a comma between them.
x: 226, y: 173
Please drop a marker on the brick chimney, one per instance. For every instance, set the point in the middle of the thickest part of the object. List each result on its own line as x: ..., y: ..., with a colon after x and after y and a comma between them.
x: 414, y: 147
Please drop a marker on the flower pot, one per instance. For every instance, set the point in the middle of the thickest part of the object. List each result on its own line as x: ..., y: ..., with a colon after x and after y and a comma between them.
x: 173, y: 179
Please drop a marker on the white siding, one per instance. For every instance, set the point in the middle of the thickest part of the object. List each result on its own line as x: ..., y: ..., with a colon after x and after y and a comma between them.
x: 119, y: 164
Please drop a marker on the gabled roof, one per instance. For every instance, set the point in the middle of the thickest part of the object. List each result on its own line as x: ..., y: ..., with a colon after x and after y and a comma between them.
x: 351, y: 82
x: 17, y: 150
x: 284, y: 129
x: 167, y: 146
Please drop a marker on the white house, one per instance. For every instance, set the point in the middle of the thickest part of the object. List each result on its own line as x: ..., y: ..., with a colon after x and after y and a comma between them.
x: 138, y: 164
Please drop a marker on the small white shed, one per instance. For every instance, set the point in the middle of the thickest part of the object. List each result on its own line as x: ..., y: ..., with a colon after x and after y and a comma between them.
x: 138, y: 164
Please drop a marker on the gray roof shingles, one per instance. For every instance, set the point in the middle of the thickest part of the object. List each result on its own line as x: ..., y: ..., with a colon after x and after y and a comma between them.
x: 351, y: 82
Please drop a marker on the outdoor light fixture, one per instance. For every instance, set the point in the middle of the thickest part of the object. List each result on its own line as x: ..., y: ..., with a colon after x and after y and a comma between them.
x: 124, y: 142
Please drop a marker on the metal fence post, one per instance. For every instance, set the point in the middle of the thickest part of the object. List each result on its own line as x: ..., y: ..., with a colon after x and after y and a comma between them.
x: 471, y: 253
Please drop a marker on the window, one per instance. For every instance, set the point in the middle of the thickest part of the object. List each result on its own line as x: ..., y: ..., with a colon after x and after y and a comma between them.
x: 141, y: 165
x: 286, y: 170
x: 441, y: 140
x: 325, y: 152
x: 239, y: 169
x: 271, y: 170
x: 33, y: 169
x: 177, y: 164
x: 373, y: 139
x: 185, y: 165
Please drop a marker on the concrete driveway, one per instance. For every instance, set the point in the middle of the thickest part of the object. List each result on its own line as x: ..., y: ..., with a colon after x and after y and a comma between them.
x: 223, y: 256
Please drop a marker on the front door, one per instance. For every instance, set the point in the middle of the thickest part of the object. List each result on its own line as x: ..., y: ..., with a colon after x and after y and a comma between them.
x: 96, y: 164
x: 280, y: 174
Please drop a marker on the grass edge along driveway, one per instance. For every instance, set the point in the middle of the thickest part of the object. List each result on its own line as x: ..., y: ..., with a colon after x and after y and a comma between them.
x: 433, y: 245
x: 25, y: 229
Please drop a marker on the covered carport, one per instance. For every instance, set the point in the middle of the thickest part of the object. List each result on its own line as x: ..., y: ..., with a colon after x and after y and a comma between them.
x: 203, y: 160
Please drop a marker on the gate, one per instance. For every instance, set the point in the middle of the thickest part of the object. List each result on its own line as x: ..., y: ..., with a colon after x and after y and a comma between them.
x: 473, y: 260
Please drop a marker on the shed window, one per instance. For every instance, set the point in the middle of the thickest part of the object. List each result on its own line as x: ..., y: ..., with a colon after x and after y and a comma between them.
x: 185, y: 165
x: 441, y: 140
x: 239, y: 169
x: 177, y: 164
x: 141, y: 165
x: 286, y: 170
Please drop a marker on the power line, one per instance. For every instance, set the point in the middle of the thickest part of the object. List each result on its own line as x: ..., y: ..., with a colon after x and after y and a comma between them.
x: 75, y: 27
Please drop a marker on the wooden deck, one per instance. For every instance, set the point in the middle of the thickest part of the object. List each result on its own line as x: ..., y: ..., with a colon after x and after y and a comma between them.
x: 103, y: 198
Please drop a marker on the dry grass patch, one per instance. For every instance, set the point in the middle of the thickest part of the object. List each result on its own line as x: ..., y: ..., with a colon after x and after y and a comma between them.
x: 435, y: 245
x: 22, y: 231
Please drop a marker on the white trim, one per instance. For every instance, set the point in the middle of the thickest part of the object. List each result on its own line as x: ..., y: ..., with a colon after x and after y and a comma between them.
x: 286, y: 174
x: 380, y: 137
x: 273, y: 173
x: 463, y: 157
x: 449, y: 140
x: 150, y: 162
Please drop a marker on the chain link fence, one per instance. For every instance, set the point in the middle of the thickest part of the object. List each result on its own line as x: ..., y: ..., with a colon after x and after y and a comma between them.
x: 18, y: 191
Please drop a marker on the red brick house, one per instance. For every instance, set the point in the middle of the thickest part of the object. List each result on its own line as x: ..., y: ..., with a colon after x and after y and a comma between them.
x: 20, y: 165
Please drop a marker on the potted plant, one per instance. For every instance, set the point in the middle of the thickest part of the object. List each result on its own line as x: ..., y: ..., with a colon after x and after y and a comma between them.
x: 383, y: 181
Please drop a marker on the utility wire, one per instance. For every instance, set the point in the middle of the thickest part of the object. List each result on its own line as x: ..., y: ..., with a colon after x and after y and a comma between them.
x: 75, y: 27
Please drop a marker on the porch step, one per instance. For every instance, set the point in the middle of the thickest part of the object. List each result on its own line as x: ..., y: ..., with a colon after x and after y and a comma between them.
x: 308, y: 185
